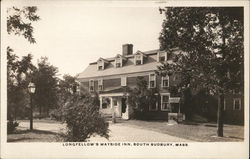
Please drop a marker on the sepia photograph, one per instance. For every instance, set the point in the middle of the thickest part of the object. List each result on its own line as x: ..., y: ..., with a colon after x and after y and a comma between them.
x: 124, y: 73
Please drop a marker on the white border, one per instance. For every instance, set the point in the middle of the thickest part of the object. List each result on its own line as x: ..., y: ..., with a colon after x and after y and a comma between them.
x: 194, y: 150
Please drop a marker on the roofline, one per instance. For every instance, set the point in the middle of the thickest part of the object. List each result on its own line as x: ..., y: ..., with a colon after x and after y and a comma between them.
x: 121, y: 74
x: 128, y: 56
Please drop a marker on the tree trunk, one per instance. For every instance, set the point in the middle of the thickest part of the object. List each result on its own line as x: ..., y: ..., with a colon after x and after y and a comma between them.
x: 47, y: 111
x: 220, y: 116
x: 15, y: 110
x: 40, y: 112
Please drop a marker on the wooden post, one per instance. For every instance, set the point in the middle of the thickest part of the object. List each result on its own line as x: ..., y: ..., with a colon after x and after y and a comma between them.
x: 113, y: 110
x: 100, y: 102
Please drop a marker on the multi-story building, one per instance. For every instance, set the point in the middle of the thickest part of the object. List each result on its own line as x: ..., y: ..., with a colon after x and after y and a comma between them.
x: 109, y: 76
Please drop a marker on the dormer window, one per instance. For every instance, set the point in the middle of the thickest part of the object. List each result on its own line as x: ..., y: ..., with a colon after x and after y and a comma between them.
x: 139, y: 58
x: 162, y: 56
x: 101, y: 63
x: 118, y: 62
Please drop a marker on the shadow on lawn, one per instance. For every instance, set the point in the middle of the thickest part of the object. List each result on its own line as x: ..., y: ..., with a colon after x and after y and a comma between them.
x: 35, y: 131
x: 30, y: 135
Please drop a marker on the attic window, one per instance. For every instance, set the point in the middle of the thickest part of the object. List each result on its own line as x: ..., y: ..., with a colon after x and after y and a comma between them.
x: 162, y: 56
x: 118, y: 62
x: 100, y: 65
x: 138, y: 59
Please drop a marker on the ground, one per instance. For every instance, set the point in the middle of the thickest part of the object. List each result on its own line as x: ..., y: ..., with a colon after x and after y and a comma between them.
x: 132, y: 131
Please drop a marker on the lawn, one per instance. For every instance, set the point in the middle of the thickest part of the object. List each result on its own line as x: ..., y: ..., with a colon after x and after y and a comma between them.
x: 45, y: 130
x: 200, y: 132
x: 34, y: 136
x: 49, y: 131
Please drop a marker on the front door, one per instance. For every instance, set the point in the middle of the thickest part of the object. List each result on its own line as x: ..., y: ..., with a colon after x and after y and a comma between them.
x: 117, y: 107
x: 124, y: 108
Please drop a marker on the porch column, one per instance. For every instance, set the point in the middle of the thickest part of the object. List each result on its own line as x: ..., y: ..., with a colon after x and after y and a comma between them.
x: 127, y: 108
x: 113, y: 110
x: 100, y: 102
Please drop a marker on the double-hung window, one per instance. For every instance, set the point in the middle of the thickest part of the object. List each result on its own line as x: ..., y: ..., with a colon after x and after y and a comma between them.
x: 165, y: 81
x: 237, y: 104
x: 152, y: 80
x: 100, y: 84
x: 165, y: 105
x: 91, y: 85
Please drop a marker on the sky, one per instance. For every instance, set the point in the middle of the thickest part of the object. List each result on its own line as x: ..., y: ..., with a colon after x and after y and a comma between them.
x: 74, y: 34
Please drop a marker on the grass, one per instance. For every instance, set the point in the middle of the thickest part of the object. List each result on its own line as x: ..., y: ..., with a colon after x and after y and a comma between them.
x: 200, y: 132
x: 34, y: 136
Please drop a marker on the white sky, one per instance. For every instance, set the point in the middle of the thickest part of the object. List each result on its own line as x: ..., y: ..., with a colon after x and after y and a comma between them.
x: 74, y: 34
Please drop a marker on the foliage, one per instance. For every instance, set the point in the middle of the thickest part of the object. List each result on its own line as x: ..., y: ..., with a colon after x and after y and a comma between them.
x: 65, y: 88
x: 211, y: 44
x: 11, y: 126
x: 19, y: 73
x: 46, y: 85
x: 141, y: 97
x: 81, y: 114
x: 19, y: 22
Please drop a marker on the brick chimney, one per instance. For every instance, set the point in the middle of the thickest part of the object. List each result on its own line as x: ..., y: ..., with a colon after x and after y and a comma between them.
x: 127, y: 49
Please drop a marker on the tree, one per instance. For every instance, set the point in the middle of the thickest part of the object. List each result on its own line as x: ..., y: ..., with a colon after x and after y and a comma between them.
x: 141, y: 97
x: 211, y: 41
x: 46, y: 85
x: 19, y: 22
x: 81, y: 114
x: 65, y: 89
x: 18, y: 72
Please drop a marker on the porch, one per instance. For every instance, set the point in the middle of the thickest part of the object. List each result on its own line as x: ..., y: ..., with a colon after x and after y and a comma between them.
x: 116, y: 103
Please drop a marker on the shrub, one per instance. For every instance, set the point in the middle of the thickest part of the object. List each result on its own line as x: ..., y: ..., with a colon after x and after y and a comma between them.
x: 83, y: 119
x: 56, y: 114
x: 11, y: 126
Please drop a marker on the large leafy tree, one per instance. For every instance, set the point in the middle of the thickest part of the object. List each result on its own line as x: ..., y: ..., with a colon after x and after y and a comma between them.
x: 19, y: 22
x: 211, y: 41
x: 46, y: 85
x: 19, y: 74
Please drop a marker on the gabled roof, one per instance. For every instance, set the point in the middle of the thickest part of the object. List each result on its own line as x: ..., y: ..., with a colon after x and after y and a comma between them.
x: 120, y: 56
x: 102, y: 59
x: 138, y: 52
x: 92, y: 72
x: 151, y: 65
